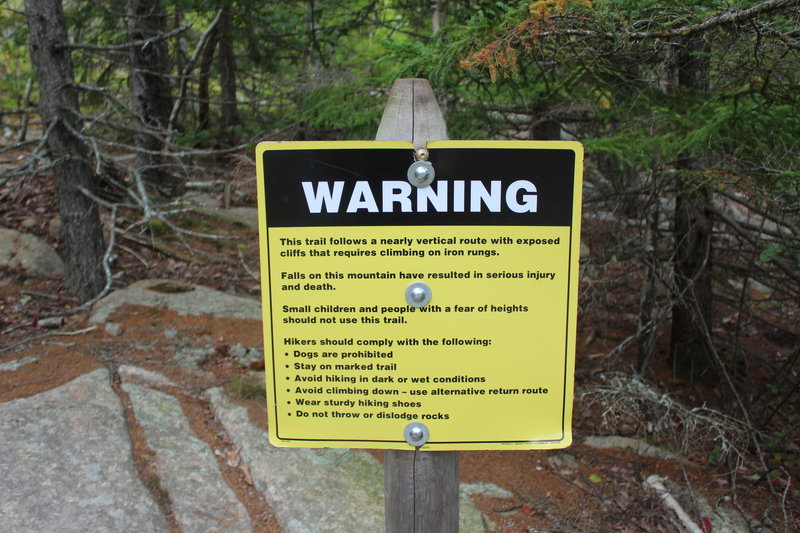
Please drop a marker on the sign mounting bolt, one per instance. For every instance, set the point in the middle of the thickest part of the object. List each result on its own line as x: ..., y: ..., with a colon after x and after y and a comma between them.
x: 418, y: 294
x: 421, y: 173
x: 416, y: 433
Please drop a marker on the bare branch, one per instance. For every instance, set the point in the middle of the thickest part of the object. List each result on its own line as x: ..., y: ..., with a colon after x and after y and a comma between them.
x: 16, y: 145
x: 26, y: 101
x: 6, y: 112
x: 45, y: 335
x: 125, y: 46
x: 760, y: 211
x: 729, y: 17
x: 252, y: 273
x: 33, y: 158
x: 789, y: 272
x: 173, y: 116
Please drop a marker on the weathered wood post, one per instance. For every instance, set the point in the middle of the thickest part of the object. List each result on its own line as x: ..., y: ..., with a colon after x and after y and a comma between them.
x: 421, y: 488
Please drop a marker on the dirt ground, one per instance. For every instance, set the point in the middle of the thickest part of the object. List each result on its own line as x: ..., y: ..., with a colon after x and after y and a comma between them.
x: 581, y: 489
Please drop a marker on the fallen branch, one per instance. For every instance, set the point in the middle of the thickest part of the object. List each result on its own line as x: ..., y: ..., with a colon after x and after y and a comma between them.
x: 51, y: 334
x: 253, y: 274
x: 656, y: 484
x: 630, y: 396
x: 162, y: 247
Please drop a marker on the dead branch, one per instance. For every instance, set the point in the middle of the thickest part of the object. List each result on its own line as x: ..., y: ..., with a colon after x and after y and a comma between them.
x: 16, y: 145
x: 173, y: 116
x: 191, y: 233
x: 162, y: 247
x: 733, y: 16
x: 765, y: 214
x: 656, y: 483
x: 29, y: 166
x: 183, y: 153
x: 9, y: 112
x: 630, y: 396
x: 253, y: 274
x: 135, y: 254
x: 124, y: 46
x: 729, y: 17
x: 45, y: 335
x: 115, y: 103
x: 26, y: 101
x: 112, y: 225
x: 791, y: 274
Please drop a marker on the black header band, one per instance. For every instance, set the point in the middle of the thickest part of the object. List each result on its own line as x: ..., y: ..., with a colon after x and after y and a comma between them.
x: 369, y: 187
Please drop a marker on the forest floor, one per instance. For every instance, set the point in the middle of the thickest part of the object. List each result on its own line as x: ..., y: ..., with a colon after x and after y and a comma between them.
x: 584, y: 488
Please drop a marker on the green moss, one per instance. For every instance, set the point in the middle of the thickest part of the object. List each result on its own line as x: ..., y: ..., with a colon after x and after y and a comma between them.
x: 246, y: 391
x: 156, y: 227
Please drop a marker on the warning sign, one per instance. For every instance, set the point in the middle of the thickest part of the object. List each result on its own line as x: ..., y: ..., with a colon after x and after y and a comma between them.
x: 487, y: 361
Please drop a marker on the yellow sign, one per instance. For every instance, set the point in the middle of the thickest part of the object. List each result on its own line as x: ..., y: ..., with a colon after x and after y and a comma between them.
x: 488, y: 362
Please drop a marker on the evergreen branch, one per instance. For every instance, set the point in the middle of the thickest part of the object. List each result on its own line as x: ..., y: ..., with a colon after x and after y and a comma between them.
x: 531, y: 30
x: 729, y: 17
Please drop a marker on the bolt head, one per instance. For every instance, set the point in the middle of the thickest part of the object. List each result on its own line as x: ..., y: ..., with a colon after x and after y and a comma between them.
x: 416, y: 434
x: 417, y: 294
x: 421, y: 173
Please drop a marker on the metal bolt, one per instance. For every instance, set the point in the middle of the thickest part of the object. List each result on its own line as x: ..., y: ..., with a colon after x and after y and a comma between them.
x: 418, y: 294
x: 416, y: 433
x: 421, y: 154
x: 421, y: 173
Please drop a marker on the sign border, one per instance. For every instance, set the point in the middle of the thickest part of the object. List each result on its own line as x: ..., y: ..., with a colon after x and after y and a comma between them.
x: 571, y: 303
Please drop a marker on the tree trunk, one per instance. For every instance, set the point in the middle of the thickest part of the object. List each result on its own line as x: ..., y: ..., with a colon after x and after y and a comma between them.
x: 151, y: 90
x: 227, y: 79
x: 58, y: 105
x: 691, y: 354
x: 544, y: 128
x: 647, y: 326
x: 203, y: 93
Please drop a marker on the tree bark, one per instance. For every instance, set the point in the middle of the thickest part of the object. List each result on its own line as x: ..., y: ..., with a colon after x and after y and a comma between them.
x: 227, y: 78
x: 691, y: 354
x: 648, y: 331
x: 203, y: 93
x: 150, y: 88
x: 544, y: 128
x: 83, y: 243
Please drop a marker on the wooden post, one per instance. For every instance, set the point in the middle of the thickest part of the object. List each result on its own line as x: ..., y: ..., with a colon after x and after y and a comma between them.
x: 421, y: 488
